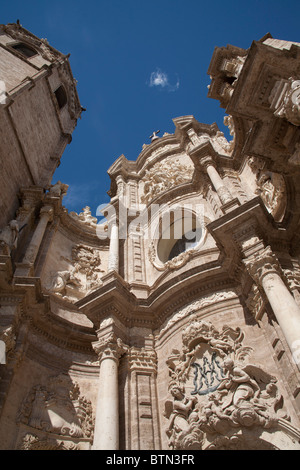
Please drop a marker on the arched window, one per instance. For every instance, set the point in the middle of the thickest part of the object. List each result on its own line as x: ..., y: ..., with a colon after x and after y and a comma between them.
x: 24, y: 49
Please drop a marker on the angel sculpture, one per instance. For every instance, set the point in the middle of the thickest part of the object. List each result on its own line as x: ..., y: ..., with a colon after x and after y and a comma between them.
x: 183, y: 417
x: 247, y: 396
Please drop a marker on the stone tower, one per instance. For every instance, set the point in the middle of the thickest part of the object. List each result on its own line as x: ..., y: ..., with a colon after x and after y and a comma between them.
x: 174, y: 324
x: 39, y: 108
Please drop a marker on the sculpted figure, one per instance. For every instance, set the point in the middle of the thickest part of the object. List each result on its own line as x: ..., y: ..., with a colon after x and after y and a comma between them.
x: 85, y: 216
x: 60, y: 281
x: 9, y: 237
x: 58, y: 189
x: 183, y: 430
x: 239, y: 383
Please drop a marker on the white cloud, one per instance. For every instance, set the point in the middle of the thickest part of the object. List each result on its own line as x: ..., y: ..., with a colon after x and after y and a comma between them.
x: 158, y: 78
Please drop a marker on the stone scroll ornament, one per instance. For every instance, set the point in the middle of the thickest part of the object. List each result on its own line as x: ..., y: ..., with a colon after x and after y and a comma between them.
x: 215, y: 392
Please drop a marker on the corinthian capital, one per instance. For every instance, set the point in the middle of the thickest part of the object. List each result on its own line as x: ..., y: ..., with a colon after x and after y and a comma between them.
x: 261, y: 264
x: 109, y: 347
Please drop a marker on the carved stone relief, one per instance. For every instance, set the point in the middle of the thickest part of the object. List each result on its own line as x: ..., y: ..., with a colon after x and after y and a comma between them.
x: 33, y: 442
x: 85, y: 217
x: 174, y: 263
x: 270, y: 187
x: 215, y: 392
x: 195, y: 306
x: 285, y: 100
x: 163, y: 176
x: 58, y: 408
x: 9, y: 238
x: 83, y: 276
x: 58, y: 189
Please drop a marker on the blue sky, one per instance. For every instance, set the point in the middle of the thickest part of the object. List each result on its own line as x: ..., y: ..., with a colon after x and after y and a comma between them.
x: 139, y: 64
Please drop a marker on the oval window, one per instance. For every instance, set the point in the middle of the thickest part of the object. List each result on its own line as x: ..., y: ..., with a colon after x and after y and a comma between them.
x: 25, y: 50
x: 61, y: 96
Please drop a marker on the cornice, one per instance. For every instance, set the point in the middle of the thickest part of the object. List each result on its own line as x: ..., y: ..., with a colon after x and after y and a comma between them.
x: 36, y: 312
x: 77, y: 231
x: 17, y: 32
x: 115, y: 298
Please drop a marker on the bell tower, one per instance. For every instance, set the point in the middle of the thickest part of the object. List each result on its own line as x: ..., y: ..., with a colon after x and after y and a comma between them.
x: 39, y: 108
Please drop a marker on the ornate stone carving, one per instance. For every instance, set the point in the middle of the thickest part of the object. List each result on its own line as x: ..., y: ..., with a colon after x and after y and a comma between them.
x: 9, y: 238
x: 58, y: 408
x: 215, y: 390
x: 142, y: 359
x: 60, y: 280
x: 85, y: 217
x: 175, y: 263
x: 261, y: 264
x: 33, y: 442
x: 270, y: 187
x: 285, y: 100
x: 58, y: 189
x: 256, y: 302
x: 232, y: 66
x: 163, y: 176
x: 193, y: 307
x: 81, y: 278
x: 109, y: 347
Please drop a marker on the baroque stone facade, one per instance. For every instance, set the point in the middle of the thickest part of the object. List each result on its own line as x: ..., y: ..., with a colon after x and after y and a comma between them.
x: 175, y: 324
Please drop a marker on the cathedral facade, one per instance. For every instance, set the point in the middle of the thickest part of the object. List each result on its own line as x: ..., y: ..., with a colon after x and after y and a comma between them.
x: 174, y: 322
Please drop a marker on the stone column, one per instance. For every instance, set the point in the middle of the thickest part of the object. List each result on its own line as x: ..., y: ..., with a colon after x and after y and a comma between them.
x: 46, y: 214
x: 265, y: 270
x: 216, y: 180
x: 113, y: 260
x: 106, y: 433
x: 26, y: 266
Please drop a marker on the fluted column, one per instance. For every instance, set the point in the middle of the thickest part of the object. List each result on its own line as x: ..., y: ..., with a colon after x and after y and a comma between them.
x: 265, y: 270
x: 113, y: 260
x: 216, y: 180
x: 106, y: 433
